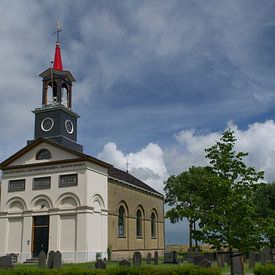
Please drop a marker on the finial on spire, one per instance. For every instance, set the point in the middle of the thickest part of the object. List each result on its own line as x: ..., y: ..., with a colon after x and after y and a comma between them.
x: 58, y: 29
x: 127, y: 165
x: 57, y: 64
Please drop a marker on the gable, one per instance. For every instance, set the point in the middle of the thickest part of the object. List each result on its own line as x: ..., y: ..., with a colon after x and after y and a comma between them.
x: 29, y: 157
x: 58, y: 152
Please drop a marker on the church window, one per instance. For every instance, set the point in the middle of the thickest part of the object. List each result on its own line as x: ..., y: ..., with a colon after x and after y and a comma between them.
x: 68, y: 180
x: 43, y: 154
x: 64, y: 95
x: 139, y: 224
x: 121, y: 221
x: 16, y: 185
x: 153, y: 225
x: 53, y: 99
x: 41, y: 183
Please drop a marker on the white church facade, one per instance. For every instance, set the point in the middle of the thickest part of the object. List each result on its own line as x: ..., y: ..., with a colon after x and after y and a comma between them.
x: 55, y: 197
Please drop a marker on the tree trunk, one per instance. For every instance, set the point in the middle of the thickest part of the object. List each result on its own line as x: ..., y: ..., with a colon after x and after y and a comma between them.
x: 196, y: 241
x: 190, y: 234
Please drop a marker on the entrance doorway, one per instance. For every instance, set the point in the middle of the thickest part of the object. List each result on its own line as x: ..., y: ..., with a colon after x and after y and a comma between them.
x: 40, y: 235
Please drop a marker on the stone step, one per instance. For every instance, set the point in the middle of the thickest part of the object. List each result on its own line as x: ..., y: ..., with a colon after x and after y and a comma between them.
x: 31, y: 261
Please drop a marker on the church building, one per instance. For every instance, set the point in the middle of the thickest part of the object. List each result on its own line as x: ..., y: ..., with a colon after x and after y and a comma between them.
x: 55, y: 197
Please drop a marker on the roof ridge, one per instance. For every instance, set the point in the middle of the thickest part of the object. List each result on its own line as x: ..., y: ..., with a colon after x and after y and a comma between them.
x: 125, y: 178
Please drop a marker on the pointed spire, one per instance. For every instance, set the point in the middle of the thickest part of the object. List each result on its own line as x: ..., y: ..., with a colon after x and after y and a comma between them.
x: 57, y: 64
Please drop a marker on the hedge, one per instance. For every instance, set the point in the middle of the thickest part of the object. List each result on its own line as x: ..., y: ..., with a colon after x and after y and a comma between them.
x: 177, y: 270
x: 264, y: 270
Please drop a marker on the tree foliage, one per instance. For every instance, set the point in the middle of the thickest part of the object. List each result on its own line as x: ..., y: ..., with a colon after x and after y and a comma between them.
x: 183, y: 195
x: 228, y: 215
x: 265, y: 210
x: 221, y: 197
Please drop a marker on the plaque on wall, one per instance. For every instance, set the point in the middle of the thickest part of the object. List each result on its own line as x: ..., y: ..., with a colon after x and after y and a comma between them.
x: 68, y: 180
x: 42, y: 183
x: 16, y: 185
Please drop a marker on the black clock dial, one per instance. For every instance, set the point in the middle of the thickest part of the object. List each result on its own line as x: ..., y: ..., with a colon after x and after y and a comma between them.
x: 69, y: 126
x: 47, y: 124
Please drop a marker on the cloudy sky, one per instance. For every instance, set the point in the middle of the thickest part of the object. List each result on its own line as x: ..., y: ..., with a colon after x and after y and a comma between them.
x: 157, y: 81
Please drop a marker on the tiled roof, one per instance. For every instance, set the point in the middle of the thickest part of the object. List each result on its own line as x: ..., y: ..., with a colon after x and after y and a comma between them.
x: 128, y: 178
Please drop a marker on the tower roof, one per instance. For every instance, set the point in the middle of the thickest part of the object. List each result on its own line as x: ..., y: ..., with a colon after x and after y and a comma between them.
x: 57, y: 64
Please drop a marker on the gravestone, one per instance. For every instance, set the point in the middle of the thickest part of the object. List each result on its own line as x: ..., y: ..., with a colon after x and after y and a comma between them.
x: 237, y: 264
x: 220, y: 259
x: 257, y: 257
x: 14, y: 257
x: 124, y: 263
x: 100, y: 264
x: 189, y: 256
x: 196, y: 250
x: 156, y: 258
x: 226, y: 258
x: 265, y: 255
x: 6, y: 262
x: 148, y: 259
x: 197, y: 258
x: 137, y: 259
x: 42, y: 259
x: 252, y: 260
x: 51, y: 259
x: 170, y: 258
x: 57, y: 263
x: 209, y: 256
x: 272, y: 254
x: 205, y: 263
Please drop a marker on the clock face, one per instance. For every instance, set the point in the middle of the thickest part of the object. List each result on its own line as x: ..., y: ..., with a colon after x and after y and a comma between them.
x: 69, y: 126
x: 47, y: 124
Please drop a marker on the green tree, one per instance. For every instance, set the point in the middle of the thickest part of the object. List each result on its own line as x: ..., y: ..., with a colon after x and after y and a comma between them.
x: 228, y: 213
x: 265, y: 210
x: 183, y: 196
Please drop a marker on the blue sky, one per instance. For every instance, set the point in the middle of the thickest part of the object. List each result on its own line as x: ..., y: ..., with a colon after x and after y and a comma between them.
x: 157, y: 81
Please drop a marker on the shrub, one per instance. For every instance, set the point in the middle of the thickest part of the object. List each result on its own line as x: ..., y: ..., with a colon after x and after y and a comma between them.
x: 265, y: 270
x: 109, y: 252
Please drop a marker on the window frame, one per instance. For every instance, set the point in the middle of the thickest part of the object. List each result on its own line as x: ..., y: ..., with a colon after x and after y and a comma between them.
x: 153, y: 221
x: 121, y: 225
x: 60, y: 185
x: 40, y: 152
x: 43, y: 187
x: 17, y: 190
x: 139, y: 226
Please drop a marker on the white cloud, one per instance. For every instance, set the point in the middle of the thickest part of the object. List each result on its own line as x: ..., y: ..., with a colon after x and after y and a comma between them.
x: 146, y: 164
x: 258, y: 140
x: 153, y: 164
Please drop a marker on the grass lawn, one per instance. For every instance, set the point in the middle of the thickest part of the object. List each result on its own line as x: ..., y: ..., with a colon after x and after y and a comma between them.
x: 88, y: 266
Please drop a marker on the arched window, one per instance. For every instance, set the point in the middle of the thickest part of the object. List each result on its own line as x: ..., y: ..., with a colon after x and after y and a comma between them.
x: 64, y: 95
x: 153, y: 226
x: 139, y: 224
x: 52, y: 97
x: 121, y: 221
x: 43, y: 154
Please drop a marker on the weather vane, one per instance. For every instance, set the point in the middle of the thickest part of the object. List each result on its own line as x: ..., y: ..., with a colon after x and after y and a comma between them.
x: 58, y: 30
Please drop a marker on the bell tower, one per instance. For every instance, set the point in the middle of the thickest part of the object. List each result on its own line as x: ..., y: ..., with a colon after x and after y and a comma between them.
x: 55, y: 119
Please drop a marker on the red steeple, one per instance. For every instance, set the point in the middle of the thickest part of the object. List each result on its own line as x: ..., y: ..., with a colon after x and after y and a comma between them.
x: 57, y: 64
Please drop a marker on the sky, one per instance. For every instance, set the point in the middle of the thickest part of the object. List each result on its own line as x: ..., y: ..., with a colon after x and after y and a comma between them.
x: 157, y: 81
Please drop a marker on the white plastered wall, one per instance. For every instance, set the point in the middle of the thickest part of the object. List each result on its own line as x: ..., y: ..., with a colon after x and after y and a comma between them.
x: 78, y: 214
x: 97, y: 219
